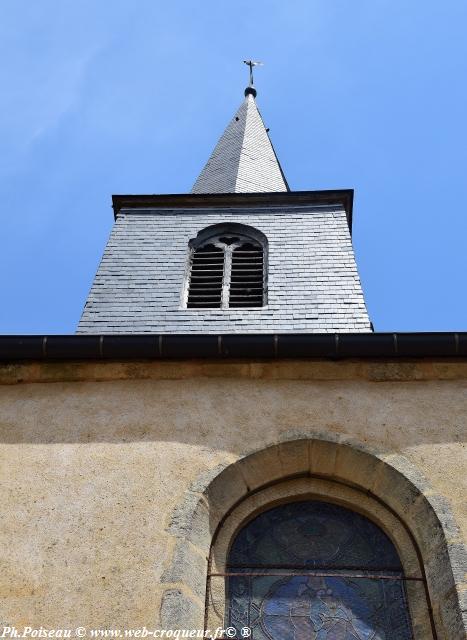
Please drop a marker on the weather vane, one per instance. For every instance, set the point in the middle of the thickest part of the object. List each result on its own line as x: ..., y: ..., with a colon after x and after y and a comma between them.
x: 251, y: 64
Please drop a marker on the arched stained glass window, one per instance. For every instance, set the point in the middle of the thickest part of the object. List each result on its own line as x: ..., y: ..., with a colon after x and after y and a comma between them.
x: 316, y: 571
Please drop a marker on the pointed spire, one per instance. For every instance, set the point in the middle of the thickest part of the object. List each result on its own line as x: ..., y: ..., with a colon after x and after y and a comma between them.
x: 244, y: 159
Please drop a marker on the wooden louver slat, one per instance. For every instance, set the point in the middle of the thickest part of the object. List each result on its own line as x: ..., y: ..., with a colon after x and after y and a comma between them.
x: 226, y: 275
x: 206, y: 277
x: 247, y: 276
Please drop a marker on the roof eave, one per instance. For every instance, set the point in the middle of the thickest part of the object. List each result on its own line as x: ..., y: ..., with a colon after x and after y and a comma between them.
x: 332, y: 346
x: 331, y: 197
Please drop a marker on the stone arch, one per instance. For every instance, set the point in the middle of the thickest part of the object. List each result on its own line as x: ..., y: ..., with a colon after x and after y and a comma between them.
x: 389, y: 480
x: 228, y: 227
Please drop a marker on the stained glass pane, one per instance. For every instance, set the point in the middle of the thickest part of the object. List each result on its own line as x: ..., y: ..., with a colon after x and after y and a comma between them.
x: 313, y: 534
x: 316, y: 571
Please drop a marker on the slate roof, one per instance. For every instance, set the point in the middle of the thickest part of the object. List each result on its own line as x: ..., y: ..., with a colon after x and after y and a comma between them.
x: 313, y: 284
x: 243, y: 160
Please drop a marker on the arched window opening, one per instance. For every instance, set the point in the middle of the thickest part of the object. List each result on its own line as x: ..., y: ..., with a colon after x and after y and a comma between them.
x: 315, y: 570
x: 227, y: 270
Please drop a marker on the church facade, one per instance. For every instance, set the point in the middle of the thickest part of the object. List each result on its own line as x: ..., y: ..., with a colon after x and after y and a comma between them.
x: 225, y: 443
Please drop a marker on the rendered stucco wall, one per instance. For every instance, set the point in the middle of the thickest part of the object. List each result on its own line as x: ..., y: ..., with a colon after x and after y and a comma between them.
x: 96, y: 461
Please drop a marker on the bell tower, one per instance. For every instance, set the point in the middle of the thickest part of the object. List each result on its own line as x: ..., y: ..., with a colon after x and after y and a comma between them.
x: 241, y: 253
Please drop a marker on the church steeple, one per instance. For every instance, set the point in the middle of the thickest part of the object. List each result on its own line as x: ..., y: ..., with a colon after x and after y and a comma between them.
x: 242, y: 253
x: 244, y: 159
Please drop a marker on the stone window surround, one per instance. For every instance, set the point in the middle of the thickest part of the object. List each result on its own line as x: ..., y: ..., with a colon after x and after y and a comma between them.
x: 214, y: 503
x: 328, y: 491
x: 213, y: 233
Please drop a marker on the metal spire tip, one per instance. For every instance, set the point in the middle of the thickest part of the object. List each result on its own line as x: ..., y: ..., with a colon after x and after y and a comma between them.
x: 250, y: 90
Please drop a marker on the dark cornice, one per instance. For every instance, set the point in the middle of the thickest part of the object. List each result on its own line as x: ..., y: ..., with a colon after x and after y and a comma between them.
x: 204, y: 200
x: 333, y: 346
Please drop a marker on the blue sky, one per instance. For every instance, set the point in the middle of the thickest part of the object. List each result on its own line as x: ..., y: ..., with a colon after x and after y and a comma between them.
x: 130, y: 97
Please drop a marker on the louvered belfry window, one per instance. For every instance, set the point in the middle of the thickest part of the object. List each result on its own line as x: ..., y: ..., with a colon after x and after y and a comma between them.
x: 227, y: 271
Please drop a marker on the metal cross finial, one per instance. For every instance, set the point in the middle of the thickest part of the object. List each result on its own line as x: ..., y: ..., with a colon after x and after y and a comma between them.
x: 251, y: 64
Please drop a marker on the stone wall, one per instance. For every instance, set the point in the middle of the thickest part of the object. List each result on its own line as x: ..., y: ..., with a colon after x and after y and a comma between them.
x: 117, y: 477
